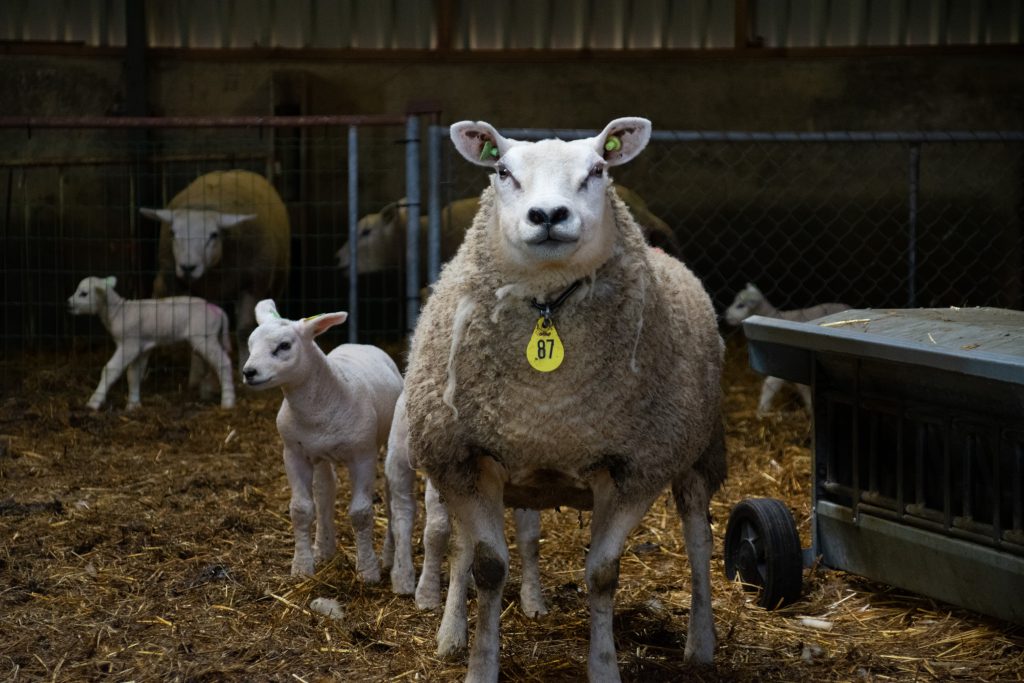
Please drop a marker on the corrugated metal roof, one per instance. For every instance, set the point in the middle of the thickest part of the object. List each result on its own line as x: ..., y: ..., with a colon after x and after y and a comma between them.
x: 520, y: 24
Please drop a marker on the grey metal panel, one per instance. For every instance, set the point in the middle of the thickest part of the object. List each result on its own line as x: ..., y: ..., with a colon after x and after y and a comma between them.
x: 984, y: 342
x: 958, y: 572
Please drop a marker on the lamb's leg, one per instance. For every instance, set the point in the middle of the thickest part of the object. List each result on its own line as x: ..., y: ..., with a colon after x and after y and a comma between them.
x: 531, y: 598
x: 110, y: 374
x: 362, y: 471
x: 436, y: 531
x: 691, y: 496
x: 218, y: 359
x: 451, y: 635
x: 401, y: 501
x: 479, y: 518
x: 769, y: 388
x: 300, y: 479
x: 325, y: 491
x: 805, y: 395
x: 613, y: 519
x: 134, y: 376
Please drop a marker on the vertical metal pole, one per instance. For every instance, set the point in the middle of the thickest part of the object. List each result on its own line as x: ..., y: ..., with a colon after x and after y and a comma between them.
x: 353, y: 234
x: 412, y: 245
x: 914, y: 182
x: 434, y: 204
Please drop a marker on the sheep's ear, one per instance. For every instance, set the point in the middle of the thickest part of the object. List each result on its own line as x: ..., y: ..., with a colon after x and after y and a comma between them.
x: 163, y: 215
x: 110, y: 282
x: 318, y: 324
x: 266, y: 311
x: 622, y: 139
x: 479, y: 142
x: 230, y: 220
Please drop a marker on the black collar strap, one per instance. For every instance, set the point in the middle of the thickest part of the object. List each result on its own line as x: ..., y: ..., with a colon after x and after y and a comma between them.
x: 548, y: 309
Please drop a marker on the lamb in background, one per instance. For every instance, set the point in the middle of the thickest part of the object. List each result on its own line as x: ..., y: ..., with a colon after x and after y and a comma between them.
x: 337, y: 410
x: 226, y: 238
x: 629, y: 403
x: 140, y: 325
x: 401, y: 483
x: 750, y: 301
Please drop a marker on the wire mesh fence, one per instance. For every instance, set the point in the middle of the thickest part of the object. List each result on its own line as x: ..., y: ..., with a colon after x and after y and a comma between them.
x: 873, y: 220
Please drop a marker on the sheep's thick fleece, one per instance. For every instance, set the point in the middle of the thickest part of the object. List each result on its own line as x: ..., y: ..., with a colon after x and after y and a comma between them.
x: 637, y: 394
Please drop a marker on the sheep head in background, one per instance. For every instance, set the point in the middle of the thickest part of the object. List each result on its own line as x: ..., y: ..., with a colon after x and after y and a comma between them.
x: 197, y: 237
x: 90, y: 297
x: 748, y: 301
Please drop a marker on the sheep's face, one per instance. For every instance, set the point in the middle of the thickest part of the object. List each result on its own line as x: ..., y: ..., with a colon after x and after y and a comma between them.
x: 278, y: 347
x: 551, y: 194
x: 744, y: 305
x: 91, y: 295
x: 379, y: 241
x: 196, y: 237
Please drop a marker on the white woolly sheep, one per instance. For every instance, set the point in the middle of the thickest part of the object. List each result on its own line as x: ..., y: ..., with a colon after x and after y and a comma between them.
x: 401, y: 479
x: 337, y: 410
x: 750, y: 301
x: 615, y: 396
x: 381, y: 236
x: 226, y: 238
x: 140, y: 325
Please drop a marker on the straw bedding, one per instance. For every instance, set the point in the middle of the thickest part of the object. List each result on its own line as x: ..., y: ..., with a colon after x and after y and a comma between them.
x: 155, y: 545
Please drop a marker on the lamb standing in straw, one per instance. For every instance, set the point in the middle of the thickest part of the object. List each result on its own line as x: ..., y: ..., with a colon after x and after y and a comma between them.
x: 560, y: 361
x: 140, y: 325
x: 750, y: 301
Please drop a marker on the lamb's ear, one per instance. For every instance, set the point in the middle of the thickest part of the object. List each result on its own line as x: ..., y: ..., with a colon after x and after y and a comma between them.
x: 622, y: 139
x: 163, y: 215
x: 230, y: 220
x: 318, y: 324
x: 266, y: 311
x: 479, y: 142
x: 110, y: 282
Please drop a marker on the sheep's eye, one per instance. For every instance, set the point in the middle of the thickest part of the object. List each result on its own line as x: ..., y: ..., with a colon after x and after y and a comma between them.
x: 503, y: 172
x: 283, y: 346
x: 597, y: 171
x: 214, y: 235
x: 83, y: 295
x: 364, y: 232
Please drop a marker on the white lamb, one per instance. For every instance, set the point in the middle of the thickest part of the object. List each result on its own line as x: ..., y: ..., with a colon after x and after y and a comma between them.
x: 337, y: 410
x: 750, y: 301
x: 140, y: 325
x: 615, y: 396
x: 401, y: 479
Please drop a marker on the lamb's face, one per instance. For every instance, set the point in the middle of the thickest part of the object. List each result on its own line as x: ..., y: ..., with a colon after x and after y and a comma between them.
x: 90, y: 296
x: 551, y: 203
x: 275, y: 351
x: 197, y: 237
x: 379, y: 241
x: 744, y: 305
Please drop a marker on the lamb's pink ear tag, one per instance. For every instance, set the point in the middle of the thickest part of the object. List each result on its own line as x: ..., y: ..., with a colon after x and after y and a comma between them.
x: 545, y: 352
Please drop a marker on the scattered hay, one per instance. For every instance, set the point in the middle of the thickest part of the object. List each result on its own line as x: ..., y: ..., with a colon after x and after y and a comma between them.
x: 156, y: 545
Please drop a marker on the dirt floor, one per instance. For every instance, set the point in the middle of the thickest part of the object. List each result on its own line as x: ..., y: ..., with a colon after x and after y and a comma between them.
x: 155, y: 545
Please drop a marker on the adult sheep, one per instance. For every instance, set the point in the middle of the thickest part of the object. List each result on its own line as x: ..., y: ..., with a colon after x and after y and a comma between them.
x: 381, y: 236
x: 225, y: 238
x: 615, y: 396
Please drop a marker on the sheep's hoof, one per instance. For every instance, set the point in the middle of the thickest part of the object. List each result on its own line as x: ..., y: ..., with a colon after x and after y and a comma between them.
x: 370, y: 575
x: 300, y: 568
x: 532, y: 604
x: 403, y: 582
x: 450, y: 645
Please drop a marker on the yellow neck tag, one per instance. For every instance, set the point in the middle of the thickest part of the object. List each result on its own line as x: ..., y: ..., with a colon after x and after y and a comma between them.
x: 545, y: 351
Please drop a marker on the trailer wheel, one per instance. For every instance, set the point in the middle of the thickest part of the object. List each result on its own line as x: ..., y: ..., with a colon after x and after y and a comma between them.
x: 763, y: 548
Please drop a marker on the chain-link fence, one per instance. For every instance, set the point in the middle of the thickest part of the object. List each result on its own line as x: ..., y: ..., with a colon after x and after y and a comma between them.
x: 874, y: 220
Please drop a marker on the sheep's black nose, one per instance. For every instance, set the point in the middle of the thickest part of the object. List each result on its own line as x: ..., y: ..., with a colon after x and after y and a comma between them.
x: 187, y: 269
x: 542, y: 217
x: 249, y: 373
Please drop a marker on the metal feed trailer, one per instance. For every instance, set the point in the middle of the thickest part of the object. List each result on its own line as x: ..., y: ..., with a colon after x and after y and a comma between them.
x: 918, y: 455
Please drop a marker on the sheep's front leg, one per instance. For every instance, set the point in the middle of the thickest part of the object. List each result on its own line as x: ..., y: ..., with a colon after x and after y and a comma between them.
x: 325, y: 489
x: 769, y: 388
x: 111, y: 373
x: 613, y: 519
x: 479, y: 521
x: 691, y: 496
x: 401, y: 508
x: 134, y: 375
x: 531, y: 598
x: 362, y: 472
x: 214, y: 354
x: 436, y: 532
x: 300, y: 479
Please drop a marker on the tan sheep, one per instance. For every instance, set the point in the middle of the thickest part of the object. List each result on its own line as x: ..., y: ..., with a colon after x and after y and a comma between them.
x: 225, y: 238
x: 633, y: 407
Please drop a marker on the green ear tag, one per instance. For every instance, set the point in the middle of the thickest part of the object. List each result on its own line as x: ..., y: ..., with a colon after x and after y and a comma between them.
x: 545, y: 352
x: 612, y: 143
x: 489, y: 150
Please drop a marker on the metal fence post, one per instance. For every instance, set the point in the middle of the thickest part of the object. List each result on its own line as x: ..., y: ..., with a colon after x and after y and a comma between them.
x: 914, y: 181
x: 412, y: 245
x: 434, y: 203
x: 353, y: 234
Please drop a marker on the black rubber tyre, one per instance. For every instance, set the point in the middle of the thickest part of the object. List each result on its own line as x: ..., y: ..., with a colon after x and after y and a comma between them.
x: 763, y: 548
